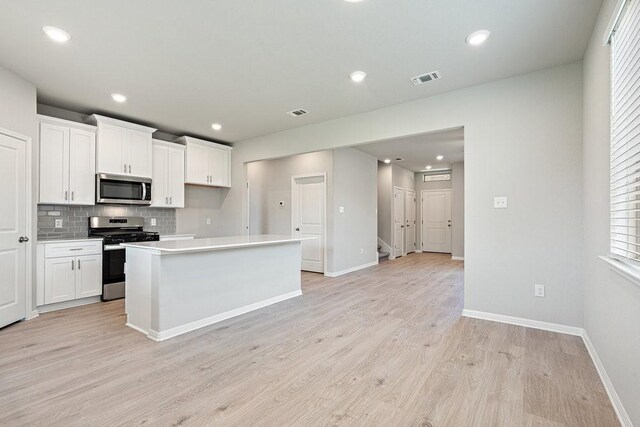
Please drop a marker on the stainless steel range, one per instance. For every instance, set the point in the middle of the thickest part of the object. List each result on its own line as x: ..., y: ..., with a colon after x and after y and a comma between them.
x: 116, y: 230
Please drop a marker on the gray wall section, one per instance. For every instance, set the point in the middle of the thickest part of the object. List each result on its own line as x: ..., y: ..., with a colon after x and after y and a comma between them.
x: 18, y: 114
x: 354, y: 231
x: 456, y: 184
x: 611, y: 302
x: 385, y: 219
x: 75, y: 222
x: 522, y: 139
x: 403, y: 178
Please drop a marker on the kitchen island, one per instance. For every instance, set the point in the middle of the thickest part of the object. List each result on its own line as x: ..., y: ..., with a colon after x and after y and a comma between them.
x: 174, y: 287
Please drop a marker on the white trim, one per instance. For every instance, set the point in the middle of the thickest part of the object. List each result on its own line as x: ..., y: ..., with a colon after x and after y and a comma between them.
x: 519, y: 321
x: 627, y: 271
x: 418, y: 252
x: 351, y: 270
x: 32, y: 315
x: 393, y: 221
x: 167, y: 144
x: 623, y: 417
x: 618, y: 407
x: 67, y: 304
x: 63, y: 122
x: 457, y: 258
x: 325, y: 261
x: 613, y: 22
x: 192, y: 326
x: 97, y: 119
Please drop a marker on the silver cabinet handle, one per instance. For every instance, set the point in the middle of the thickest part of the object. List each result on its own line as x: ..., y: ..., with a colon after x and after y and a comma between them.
x: 129, y: 168
x: 73, y: 264
x: 72, y: 195
x: 170, y: 200
x: 166, y: 200
x: 78, y: 264
x: 66, y: 194
x: 125, y: 168
x: 144, y: 191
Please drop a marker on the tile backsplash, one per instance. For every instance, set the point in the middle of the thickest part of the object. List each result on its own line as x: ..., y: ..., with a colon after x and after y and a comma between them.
x: 75, y: 224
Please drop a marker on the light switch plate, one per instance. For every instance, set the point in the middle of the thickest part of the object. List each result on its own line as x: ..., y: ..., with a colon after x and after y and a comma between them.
x: 500, y: 202
x: 58, y: 223
x: 208, y: 221
x: 539, y: 291
x: 153, y: 222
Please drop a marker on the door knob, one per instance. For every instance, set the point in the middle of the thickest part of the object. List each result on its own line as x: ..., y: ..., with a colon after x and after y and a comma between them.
x: 298, y: 229
x: 23, y: 239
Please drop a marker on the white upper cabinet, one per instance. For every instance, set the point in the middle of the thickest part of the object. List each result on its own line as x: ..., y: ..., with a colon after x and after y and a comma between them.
x: 167, y: 190
x: 207, y: 163
x: 123, y: 148
x: 67, y: 162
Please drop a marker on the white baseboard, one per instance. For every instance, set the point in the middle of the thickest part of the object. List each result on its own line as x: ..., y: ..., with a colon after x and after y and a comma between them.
x: 32, y: 315
x: 192, y: 326
x: 418, y: 252
x: 351, y: 270
x: 457, y: 258
x: 67, y: 304
x: 535, y: 324
x: 623, y: 417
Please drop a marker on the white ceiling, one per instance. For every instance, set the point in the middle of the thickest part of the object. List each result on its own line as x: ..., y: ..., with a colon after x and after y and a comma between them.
x: 418, y: 151
x: 244, y: 63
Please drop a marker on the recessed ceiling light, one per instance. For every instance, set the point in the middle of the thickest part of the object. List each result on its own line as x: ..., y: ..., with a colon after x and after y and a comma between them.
x: 118, y: 97
x: 440, y: 157
x: 216, y: 126
x: 56, y: 34
x: 358, y: 76
x: 387, y: 161
x: 428, y: 167
x: 478, y: 37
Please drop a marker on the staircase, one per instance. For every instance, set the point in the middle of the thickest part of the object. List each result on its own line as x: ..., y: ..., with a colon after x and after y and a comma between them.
x: 382, y: 256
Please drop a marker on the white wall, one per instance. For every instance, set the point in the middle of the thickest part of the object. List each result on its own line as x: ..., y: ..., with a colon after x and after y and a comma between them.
x: 523, y: 140
x: 18, y: 114
x: 385, y: 219
x: 611, y: 303
x: 403, y: 178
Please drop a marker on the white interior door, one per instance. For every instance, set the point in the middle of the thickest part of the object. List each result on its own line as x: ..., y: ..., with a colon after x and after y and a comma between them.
x: 410, y: 221
x: 308, y: 219
x: 436, y: 221
x: 13, y: 212
x: 398, y: 221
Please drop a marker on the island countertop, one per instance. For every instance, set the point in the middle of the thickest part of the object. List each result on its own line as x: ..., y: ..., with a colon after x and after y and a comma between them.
x: 214, y: 243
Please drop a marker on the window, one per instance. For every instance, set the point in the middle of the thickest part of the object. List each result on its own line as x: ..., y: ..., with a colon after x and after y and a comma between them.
x: 625, y: 135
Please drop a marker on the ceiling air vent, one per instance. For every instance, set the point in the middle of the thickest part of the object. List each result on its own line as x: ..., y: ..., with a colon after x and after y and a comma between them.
x: 297, y: 113
x: 425, y: 78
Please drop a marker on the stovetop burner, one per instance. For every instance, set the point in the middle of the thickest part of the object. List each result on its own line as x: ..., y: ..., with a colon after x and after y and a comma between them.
x: 120, y: 230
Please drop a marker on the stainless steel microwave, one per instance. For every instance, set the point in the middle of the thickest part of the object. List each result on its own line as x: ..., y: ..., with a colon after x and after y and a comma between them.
x: 122, y: 190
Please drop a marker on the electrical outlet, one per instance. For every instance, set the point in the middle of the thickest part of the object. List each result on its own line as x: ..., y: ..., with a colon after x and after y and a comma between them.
x: 341, y: 209
x: 500, y: 202
x: 361, y: 251
x: 153, y: 222
x: 208, y: 221
x: 539, y: 291
x: 58, y: 223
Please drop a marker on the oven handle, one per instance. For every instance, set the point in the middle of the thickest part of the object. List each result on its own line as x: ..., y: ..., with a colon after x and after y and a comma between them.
x: 144, y: 191
x: 113, y: 247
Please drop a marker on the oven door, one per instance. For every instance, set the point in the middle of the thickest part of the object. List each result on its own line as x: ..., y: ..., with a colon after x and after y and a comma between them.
x: 113, y: 264
x: 124, y: 190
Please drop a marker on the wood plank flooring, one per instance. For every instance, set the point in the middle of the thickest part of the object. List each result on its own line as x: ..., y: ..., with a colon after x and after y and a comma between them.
x: 383, y: 346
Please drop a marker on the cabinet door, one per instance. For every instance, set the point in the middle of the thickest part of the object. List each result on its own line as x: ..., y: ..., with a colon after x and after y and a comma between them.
x: 88, y: 276
x: 112, y: 149
x: 82, y: 167
x: 59, y: 280
x: 54, y: 164
x: 159, y: 177
x: 175, y: 183
x: 139, y: 153
x: 220, y: 159
x: 198, y: 164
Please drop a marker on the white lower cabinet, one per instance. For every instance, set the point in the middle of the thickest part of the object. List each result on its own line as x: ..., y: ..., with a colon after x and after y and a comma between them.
x: 68, y: 271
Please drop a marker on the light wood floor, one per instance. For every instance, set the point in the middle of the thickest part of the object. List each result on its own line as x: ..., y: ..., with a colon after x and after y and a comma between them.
x: 384, y: 346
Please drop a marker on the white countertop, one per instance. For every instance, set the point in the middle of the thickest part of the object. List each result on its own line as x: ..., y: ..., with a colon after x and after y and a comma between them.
x: 58, y: 240
x: 213, y: 244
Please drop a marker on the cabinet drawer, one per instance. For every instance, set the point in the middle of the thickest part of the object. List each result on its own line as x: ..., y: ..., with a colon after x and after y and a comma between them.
x: 56, y: 250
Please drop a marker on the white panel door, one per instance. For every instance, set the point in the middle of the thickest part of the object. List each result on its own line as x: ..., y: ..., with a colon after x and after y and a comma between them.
x: 398, y: 221
x: 139, y: 153
x: 175, y: 182
x: 410, y: 223
x: 112, y: 149
x: 59, y: 279
x: 159, y: 177
x: 88, y: 276
x: 13, y: 211
x: 436, y: 221
x: 82, y: 167
x: 54, y: 164
x: 308, y: 219
x: 199, y: 164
